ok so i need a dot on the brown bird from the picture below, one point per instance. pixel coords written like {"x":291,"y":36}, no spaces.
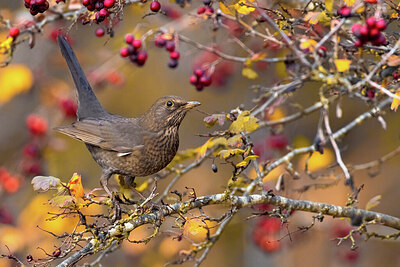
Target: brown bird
{"x":127,"y":146}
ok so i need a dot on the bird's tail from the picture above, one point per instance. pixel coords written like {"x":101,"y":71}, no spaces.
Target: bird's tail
{"x":88,"y":104}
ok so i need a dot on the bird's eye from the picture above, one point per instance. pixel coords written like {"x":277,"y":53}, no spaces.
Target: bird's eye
{"x":169,"y":103}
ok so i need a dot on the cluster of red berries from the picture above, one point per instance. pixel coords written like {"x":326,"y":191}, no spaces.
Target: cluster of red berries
{"x":266,"y":234}
{"x":206,"y":9}
{"x":37,"y":125}
{"x":155,"y":6}
{"x":370,"y":32}
{"x":37,"y":6}
{"x":9,"y":182}
{"x":133,"y":51}
{"x":200,"y":79}
{"x":30,"y":162}
{"x":101,"y":6}
{"x":169,"y":44}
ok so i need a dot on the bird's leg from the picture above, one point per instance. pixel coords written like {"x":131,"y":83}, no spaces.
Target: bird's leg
{"x":104,"y":183}
{"x":129,"y":181}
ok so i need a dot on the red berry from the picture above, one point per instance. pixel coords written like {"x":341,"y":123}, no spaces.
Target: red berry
{"x":69,"y":107}
{"x":31,"y":150}
{"x":100,"y":32}
{"x":381,"y":40}
{"x":124,"y":52}
{"x":137,"y":43}
{"x":209,"y":10}
{"x":364,"y":30}
{"x":395,"y":75}
{"x":201,"y":10}
{"x":199,"y":72}
{"x":99,"y":5}
{"x":277,"y":141}
{"x":205,"y":80}
{"x":104,"y":12}
{"x":85,"y":2}
{"x":90,"y":7}
{"x":155,"y":6}
{"x":193,"y":79}
{"x":170,"y":46}
{"x":371,"y":1}
{"x":174,"y":55}
{"x":141,"y":56}
{"x":14,"y":32}
{"x":199,"y":87}
{"x":129,"y":38}
{"x":374,"y":32}
{"x":371,"y":22}
{"x":109,"y":3}
{"x":381,"y":24}
{"x":36,"y":124}
{"x":355,"y":29}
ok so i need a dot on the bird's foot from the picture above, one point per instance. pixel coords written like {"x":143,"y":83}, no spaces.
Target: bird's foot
{"x":116,"y":209}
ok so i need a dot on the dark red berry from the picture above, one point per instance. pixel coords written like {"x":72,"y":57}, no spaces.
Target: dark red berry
{"x":69,"y":107}
{"x":193,"y":79}
{"x":100,"y":32}
{"x":129,"y":38}
{"x":160,"y":42}
{"x":85,"y":2}
{"x":29,"y":258}
{"x":201,"y":10}
{"x":137,"y":43}
{"x":355,"y":29}
{"x":131,"y":50}
{"x":36,"y":125}
{"x":395,"y":75}
{"x":209,"y":10}
{"x":207,"y":2}
{"x":380,"y":24}
{"x":124,"y":52}
{"x":14,"y":32}
{"x":364,"y":30}
{"x":173,"y":63}
{"x":141,"y":56}
{"x":155,"y":6}
{"x":174,"y":55}
{"x":170,"y":46}
{"x":99,"y":5}
{"x":374,"y":32}
{"x":205,"y":80}
{"x":358,"y":43}
{"x":31,"y":150}
{"x":109,"y":3}
{"x":199,"y":87}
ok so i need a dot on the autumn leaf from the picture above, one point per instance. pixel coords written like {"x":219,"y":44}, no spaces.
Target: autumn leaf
{"x":246,"y":161}
{"x":349,"y":2}
{"x":244,"y":123}
{"x":226,"y":10}
{"x":342,"y":65}
{"x":373,"y":202}
{"x":393,"y":61}
{"x":44,"y":183}
{"x":14,"y":79}
{"x":329,"y":5}
{"x":396,"y":101}
{"x":308,"y":45}
{"x":224,"y":154}
{"x":61,"y":201}
{"x":316,"y":17}
{"x":214,"y":119}
{"x":203,"y":148}
{"x":243,"y":7}
{"x":249,"y":73}
{"x":75,"y":186}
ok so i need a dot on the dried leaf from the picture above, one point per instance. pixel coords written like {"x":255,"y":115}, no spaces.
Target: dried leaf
{"x":249,"y":73}
{"x":223,"y":154}
{"x":244,"y":123}
{"x":393,"y":61}
{"x":44,"y":183}
{"x":61,"y":201}
{"x":246,"y":161}
{"x":214,"y":119}
{"x":342,"y":65}
{"x":373,"y":202}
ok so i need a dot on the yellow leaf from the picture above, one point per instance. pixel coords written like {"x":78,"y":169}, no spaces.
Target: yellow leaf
{"x":75,"y":186}
{"x":61,"y":201}
{"x":224,"y":9}
{"x":349,"y":2}
{"x":223,"y":154}
{"x":203,"y":149}
{"x":329,"y":5}
{"x":395,"y":102}
{"x":373,"y":202}
{"x":308,"y":45}
{"x":258,"y":56}
{"x":249,"y":73}
{"x":243,"y":7}
{"x":312,"y":17}
{"x":342,"y":65}
{"x":14,"y":79}
{"x":5,"y":46}
{"x":246,"y":161}
{"x":244,"y":123}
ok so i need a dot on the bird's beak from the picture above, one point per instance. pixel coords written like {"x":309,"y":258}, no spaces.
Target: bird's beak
{"x":191,"y":104}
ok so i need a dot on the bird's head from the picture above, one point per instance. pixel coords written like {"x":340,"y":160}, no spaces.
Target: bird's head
{"x":167,"y":111}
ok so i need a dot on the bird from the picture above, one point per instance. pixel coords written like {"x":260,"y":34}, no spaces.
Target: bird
{"x":131,"y":147}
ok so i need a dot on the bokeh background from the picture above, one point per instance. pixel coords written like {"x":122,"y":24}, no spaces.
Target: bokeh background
{"x":125,"y":89}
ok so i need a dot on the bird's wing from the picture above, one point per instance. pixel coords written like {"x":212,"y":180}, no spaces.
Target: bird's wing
{"x":123,"y":136}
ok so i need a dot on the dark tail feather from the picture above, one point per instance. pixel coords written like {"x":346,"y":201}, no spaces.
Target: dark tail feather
{"x":88,"y":105}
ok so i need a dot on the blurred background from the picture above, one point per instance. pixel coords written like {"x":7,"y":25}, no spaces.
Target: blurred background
{"x":46,"y":98}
